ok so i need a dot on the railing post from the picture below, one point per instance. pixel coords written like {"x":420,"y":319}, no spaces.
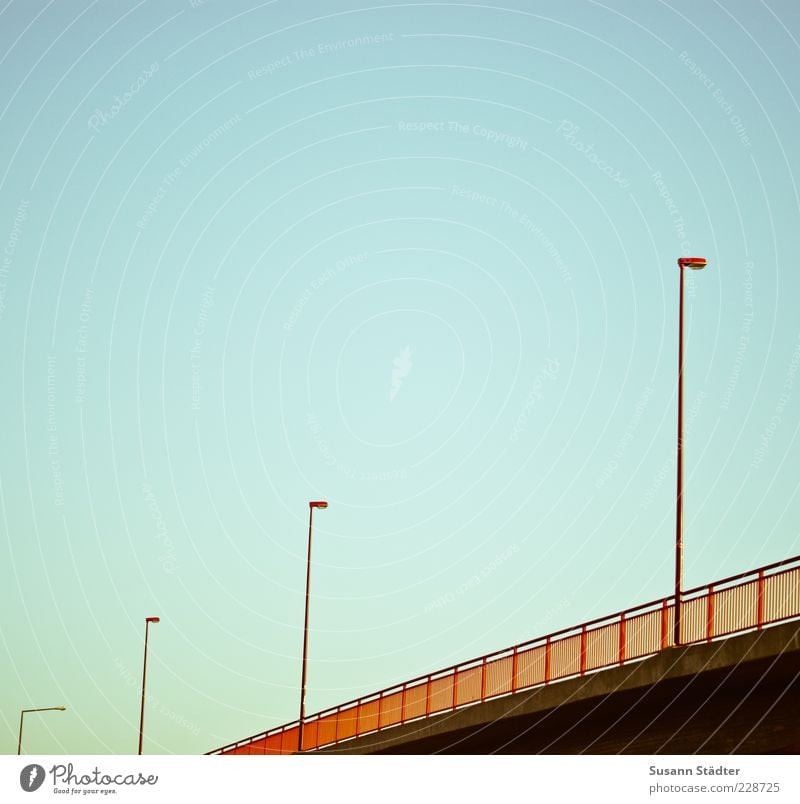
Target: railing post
{"x":455,"y":687}
{"x":483,"y":679}
{"x":403,"y":704}
{"x":760,"y":599}
{"x":358,"y":717}
{"x":380,"y":707}
{"x":514,"y":671}
{"x":710,"y":614}
{"x":664,"y":621}
{"x":336,"y":733}
{"x":428,"y":697}
{"x":547,"y":661}
{"x":622,"y":635}
{"x":583,"y":649}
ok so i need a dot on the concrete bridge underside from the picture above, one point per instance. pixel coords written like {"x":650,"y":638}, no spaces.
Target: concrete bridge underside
{"x":736,"y":695}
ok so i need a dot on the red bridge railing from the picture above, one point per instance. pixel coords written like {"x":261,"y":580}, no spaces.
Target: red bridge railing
{"x":733,"y":605}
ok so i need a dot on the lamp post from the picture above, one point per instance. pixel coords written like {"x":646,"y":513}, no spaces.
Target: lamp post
{"x":695,"y":263}
{"x":311,"y":506}
{"x":147,"y":622}
{"x":22,"y":714}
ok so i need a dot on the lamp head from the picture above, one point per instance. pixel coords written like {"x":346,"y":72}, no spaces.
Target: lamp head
{"x":61,"y":708}
{"x":152,"y":619}
{"x":695,"y":263}
{"x":318,"y":504}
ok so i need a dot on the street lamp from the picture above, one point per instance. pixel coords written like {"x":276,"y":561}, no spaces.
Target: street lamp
{"x":311,"y":506}
{"x":695,"y":263}
{"x":147,"y":622}
{"x":22,"y":714}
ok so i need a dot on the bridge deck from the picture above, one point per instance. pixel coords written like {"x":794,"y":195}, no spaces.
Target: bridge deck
{"x":738,"y":695}
{"x":735,"y":605}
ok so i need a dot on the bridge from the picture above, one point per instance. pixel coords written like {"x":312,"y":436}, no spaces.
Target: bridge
{"x":530,"y":697}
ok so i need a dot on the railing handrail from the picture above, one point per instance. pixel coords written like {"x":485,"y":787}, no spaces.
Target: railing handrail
{"x":765,"y":568}
{"x":452,"y":669}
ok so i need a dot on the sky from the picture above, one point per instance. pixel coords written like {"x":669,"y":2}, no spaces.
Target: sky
{"x":414,"y":259}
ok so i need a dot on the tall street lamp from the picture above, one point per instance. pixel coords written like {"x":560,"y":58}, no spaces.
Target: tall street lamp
{"x":311,"y":506}
{"x":22,"y":714}
{"x":147,"y":622}
{"x":695,"y":263}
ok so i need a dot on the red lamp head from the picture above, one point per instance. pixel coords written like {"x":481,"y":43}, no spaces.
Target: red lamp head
{"x":318,"y":504}
{"x":695,"y":263}
{"x":152,"y":619}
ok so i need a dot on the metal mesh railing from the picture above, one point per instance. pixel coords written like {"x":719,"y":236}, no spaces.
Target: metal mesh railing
{"x":740,"y":603}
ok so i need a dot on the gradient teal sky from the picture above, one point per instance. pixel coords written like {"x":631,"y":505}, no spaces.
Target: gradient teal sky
{"x":414,"y":259}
